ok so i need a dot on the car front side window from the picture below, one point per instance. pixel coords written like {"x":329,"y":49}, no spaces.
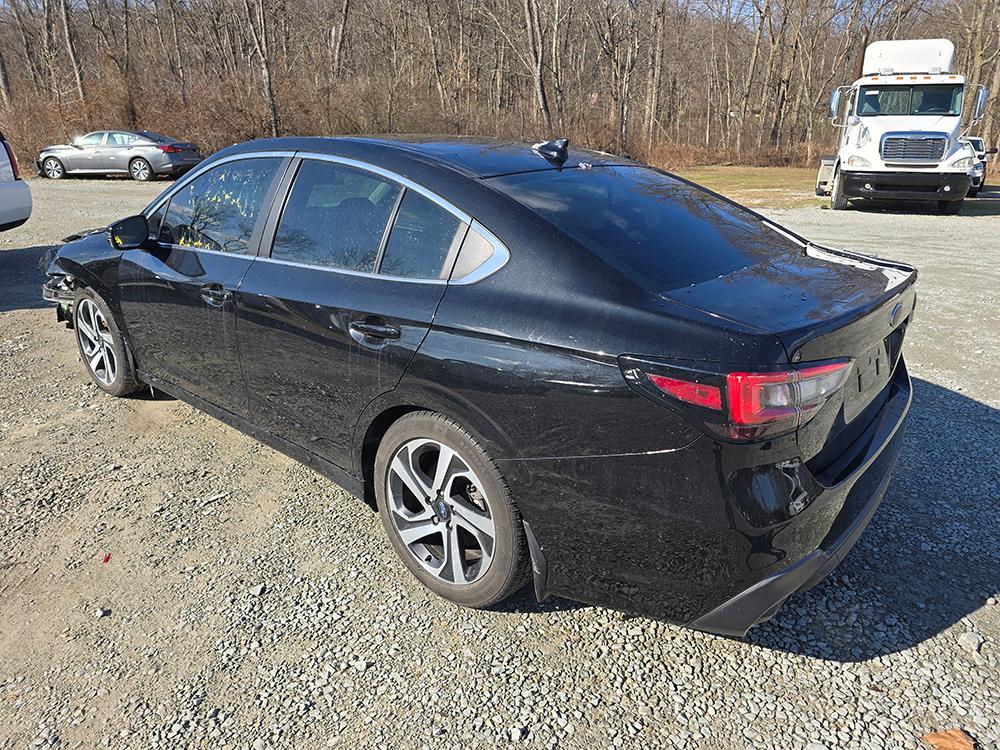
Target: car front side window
{"x":92,"y":139}
{"x":335,"y":216}
{"x":218,"y":210}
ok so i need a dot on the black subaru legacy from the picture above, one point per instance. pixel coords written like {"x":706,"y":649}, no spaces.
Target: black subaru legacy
{"x":539,"y":362}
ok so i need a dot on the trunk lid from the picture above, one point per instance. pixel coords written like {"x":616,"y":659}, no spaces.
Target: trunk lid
{"x":822,"y":304}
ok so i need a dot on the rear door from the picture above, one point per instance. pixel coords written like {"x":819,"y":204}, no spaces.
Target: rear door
{"x":117,"y":151}
{"x":178,"y":292}
{"x":356,"y":269}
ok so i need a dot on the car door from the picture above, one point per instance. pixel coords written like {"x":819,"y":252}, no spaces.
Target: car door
{"x":177,"y":291}
{"x":86,"y":155}
{"x":331,"y":316}
{"x":117,"y":151}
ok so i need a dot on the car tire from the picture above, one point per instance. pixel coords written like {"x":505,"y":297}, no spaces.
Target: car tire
{"x":950,"y":208}
{"x":102,"y":347}
{"x":52,"y":168}
{"x":444,"y":538}
{"x":140,"y":170}
{"x":838,"y":201}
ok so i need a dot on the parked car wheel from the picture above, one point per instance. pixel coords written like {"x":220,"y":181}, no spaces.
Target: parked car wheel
{"x":950,"y":208}
{"x":140,"y":170}
{"x":53,"y":168}
{"x":838,"y":201}
{"x":448,"y":512}
{"x":102,"y":346}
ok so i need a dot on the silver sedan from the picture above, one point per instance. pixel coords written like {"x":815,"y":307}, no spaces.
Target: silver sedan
{"x":140,"y":154}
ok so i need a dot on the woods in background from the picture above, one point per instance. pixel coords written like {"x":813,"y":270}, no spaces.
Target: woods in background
{"x":675,"y":82}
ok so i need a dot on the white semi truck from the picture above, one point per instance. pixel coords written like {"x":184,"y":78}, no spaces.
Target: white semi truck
{"x":900,"y":128}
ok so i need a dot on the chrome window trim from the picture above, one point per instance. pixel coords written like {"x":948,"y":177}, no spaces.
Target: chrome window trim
{"x":491,"y":265}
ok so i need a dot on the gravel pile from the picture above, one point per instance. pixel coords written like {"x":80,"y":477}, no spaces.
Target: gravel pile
{"x":169,"y":583}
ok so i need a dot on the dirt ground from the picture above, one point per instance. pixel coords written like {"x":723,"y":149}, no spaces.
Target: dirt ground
{"x":168,"y":582}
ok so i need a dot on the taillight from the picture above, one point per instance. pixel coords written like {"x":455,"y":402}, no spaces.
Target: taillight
{"x":780,"y":399}
{"x":699,"y":394}
{"x":170,"y":149}
{"x":13,"y":161}
{"x":742,"y":405}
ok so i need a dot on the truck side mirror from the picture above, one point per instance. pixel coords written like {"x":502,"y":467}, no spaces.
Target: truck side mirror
{"x":979,"y":108}
{"x":834,"y":104}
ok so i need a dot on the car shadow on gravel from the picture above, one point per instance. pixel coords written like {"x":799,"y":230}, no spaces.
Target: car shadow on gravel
{"x":930,"y":556}
{"x":20,"y":279}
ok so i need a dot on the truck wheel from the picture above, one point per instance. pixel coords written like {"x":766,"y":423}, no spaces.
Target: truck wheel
{"x":949,"y":208}
{"x":820,"y":188}
{"x":838,"y":201}
{"x":973,"y":192}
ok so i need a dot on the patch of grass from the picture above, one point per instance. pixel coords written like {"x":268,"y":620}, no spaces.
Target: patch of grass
{"x":770,"y":187}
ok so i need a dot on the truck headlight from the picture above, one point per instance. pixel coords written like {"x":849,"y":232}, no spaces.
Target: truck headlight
{"x":858,"y":161}
{"x":964,"y":163}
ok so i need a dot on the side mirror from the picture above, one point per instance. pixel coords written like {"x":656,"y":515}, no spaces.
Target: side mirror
{"x":991,"y":151}
{"x":130,"y":233}
{"x":979,"y":108}
{"x":834,"y":104}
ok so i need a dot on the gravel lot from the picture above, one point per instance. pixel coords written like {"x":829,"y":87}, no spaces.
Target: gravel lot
{"x":249,"y":603}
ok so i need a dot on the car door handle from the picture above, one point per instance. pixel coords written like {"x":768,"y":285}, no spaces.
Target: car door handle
{"x":214,"y":294}
{"x":375,"y":330}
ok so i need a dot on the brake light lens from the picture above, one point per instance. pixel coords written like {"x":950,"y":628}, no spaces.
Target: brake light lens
{"x":699,"y":394}
{"x":744,"y":406}
{"x":170,"y":149}
{"x":13,"y":160}
{"x":767,"y":398}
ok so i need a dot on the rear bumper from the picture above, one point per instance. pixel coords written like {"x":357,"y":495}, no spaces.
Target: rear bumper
{"x":862,"y":494}
{"x":15,"y":204}
{"x":921,"y":186}
{"x":174,"y":166}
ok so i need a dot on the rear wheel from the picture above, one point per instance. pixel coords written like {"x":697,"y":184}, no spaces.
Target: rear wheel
{"x":838,"y":201}
{"x":140,"y":170}
{"x":448,"y":512}
{"x":53,"y":168}
{"x":102,"y":346}
{"x":950,"y":207}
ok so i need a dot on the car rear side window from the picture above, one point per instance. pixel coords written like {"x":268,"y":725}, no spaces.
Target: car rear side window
{"x":335,"y":216}
{"x":218,"y":209}
{"x":424,"y":239}
{"x":660,"y":231}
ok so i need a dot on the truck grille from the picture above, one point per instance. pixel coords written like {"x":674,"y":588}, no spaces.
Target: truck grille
{"x":906,"y":148}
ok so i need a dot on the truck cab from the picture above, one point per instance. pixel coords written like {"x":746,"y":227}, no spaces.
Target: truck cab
{"x":901,"y":128}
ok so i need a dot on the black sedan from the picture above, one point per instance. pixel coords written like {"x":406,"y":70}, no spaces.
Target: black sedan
{"x":538,"y":362}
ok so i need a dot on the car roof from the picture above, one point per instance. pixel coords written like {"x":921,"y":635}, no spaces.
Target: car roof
{"x":472,"y":156}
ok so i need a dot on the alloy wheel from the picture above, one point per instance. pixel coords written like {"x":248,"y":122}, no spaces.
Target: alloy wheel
{"x":440,"y":512}
{"x":52,"y":168}
{"x":139,"y":170}
{"x":95,"y":342}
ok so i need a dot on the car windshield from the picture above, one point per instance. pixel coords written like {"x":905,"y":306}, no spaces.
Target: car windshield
{"x":662,"y":232}
{"x":937,"y":99}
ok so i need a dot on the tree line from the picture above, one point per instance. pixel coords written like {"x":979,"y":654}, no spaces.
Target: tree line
{"x":672,"y":81}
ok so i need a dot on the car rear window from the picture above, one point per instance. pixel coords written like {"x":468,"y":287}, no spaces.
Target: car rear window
{"x":660,"y":231}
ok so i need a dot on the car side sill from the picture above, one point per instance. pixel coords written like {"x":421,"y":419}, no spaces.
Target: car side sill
{"x":331,"y":471}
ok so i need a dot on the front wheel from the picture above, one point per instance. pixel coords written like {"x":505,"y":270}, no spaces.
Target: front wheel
{"x":53,"y":169}
{"x":838,"y":201}
{"x":140,"y":170}
{"x":448,"y":512}
{"x":949,"y":208}
{"x":973,"y":192}
{"x":102,"y":346}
